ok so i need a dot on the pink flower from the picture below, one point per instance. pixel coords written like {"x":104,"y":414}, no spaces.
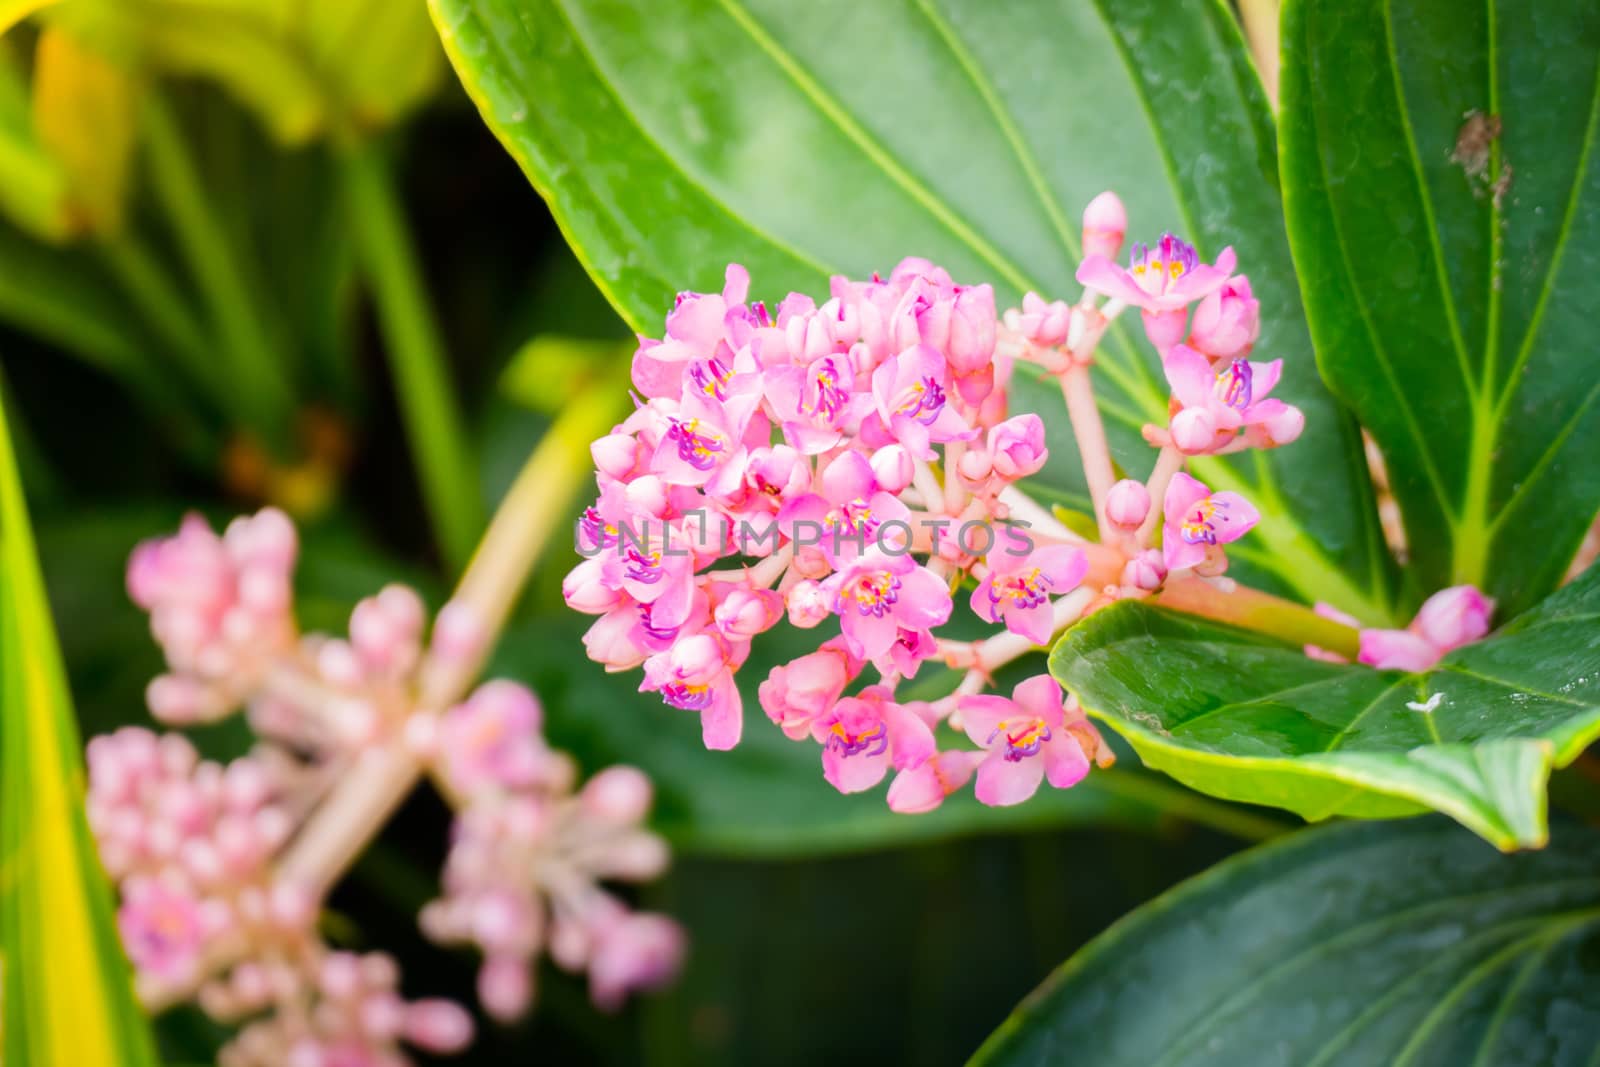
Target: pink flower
{"x":696,"y":674}
{"x":1027,"y":741}
{"x":493,"y":740}
{"x":862,"y":737}
{"x":1016,"y":447}
{"x":1217,"y":401}
{"x":913,"y":401}
{"x":1227,"y":322}
{"x":1165,"y":278}
{"x":846,"y":512}
{"x":796,"y":693}
{"x":817,"y":401}
{"x":161,"y":929}
{"x":1196,"y":518}
{"x":876,"y":595}
{"x":1447,"y":620}
{"x":1105,"y":223}
{"x":1017,"y":589}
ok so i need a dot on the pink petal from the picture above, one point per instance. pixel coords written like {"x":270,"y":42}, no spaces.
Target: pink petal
{"x":723,"y":721}
{"x":982,"y":606}
{"x":1103,"y":276}
{"x":1002,"y":782}
{"x":1234,"y":518}
{"x":1063,"y":565}
{"x":1190,"y":375}
{"x":1035,"y":623}
{"x":1177,"y":553}
{"x":1041,"y":697}
{"x":981,"y":714}
{"x":1064,"y":762}
{"x":1399,"y":650}
{"x":853,"y":774}
{"x":1263,"y":376}
{"x":1183,"y":493}
{"x":910,"y":740}
{"x":848,"y":478}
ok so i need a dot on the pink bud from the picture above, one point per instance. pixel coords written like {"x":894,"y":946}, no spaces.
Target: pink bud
{"x":798,"y":692}
{"x":1127,"y":504}
{"x":893,"y":468}
{"x":1227,"y":322}
{"x":617,"y":795}
{"x":639,"y":952}
{"x":438,"y":1026}
{"x":809,"y":604}
{"x":1145,"y":571}
{"x":616,"y":455}
{"x":1017,"y":446}
{"x":1194,"y":431}
{"x":1397,"y":650}
{"x":975,"y":466}
{"x":1282,"y":427}
{"x":745,"y":613}
{"x":779,"y":472}
{"x":1105,"y":222}
{"x":972,"y":328}
{"x":1045,"y":324}
{"x":1453,"y":617}
{"x":504,"y":987}
{"x":1165,"y":328}
{"x":585,"y":589}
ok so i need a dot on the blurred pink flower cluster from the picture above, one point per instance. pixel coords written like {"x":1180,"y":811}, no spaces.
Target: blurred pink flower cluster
{"x":221,"y":867}
{"x":857,"y":461}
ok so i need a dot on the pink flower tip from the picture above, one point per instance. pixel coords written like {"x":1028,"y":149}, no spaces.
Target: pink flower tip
{"x":1105,"y":224}
{"x":1127,"y":504}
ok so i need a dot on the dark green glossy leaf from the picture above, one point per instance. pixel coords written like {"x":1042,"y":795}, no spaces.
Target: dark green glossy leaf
{"x":1238,"y":715}
{"x":1444,"y":207}
{"x":837,"y":136}
{"x":1408,"y":944}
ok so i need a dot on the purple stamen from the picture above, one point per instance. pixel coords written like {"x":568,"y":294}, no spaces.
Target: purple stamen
{"x":594,"y":531}
{"x":1028,"y":591}
{"x":644,"y":568}
{"x":927,"y":400}
{"x":1198,"y":529}
{"x":694,"y":448}
{"x":1024,"y":744}
{"x":711,"y":377}
{"x":830,"y":398}
{"x":873,"y":742}
{"x":1233,"y":384}
{"x":687,"y":697}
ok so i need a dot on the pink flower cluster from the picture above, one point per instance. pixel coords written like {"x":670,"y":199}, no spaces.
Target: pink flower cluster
{"x":856,"y":461}
{"x":527,"y":857}
{"x":221,"y":868}
{"x":1447,"y":620}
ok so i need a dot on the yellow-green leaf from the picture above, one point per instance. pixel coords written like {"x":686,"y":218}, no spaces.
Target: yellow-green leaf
{"x":14,"y":11}
{"x":67,"y":988}
{"x":85,"y":113}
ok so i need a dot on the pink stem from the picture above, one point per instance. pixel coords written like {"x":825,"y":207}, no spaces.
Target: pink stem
{"x":1168,"y":463}
{"x":1091,"y":437}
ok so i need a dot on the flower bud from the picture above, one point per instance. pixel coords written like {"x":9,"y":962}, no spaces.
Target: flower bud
{"x":505,"y":988}
{"x":617,"y":795}
{"x":615,"y":455}
{"x":1227,"y":322}
{"x":1105,"y":222}
{"x":972,"y":327}
{"x":1017,"y":447}
{"x":1194,"y":431}
{"x":1127,"y":504}
{"x":1281,"y":427}
{"x":1453,"y":617}
{"x":638,"y":952}
{"x":1044,"y":324}
{"x":1145,"y":571}
{"x":437,"y":1026}
{"x":744,"y":613}
{"x":809,"y":604}
{"x":1165,"y":328}
{"x":975,"y":466}
{"x":892,"y":468}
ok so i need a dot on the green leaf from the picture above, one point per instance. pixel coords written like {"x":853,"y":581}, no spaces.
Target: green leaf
{"x":1238,"y":715}
{"x":838,"y":136}
{"x":67,"y":989}
{"x":767,"y":797}
{"x":1353,"y":944}
{"x":1447,"y":246}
